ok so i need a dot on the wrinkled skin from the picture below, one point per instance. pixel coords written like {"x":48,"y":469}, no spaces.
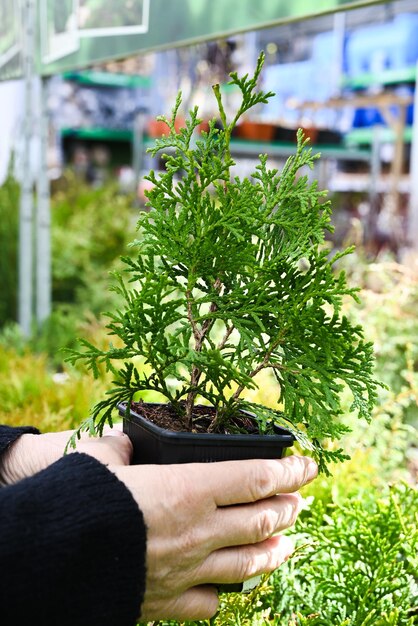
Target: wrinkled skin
{"x":212,"y":523}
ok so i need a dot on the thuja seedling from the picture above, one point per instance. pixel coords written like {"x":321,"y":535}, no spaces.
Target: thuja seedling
{"x":230,"y":276}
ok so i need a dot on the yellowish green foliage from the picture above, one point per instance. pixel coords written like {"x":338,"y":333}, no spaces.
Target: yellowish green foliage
{"x":31,"y":392}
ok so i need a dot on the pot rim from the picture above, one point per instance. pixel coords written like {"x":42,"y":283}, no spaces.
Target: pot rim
{"x":284,"y":437}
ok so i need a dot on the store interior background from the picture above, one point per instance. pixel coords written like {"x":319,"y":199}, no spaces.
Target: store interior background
{"x":102,"y":119}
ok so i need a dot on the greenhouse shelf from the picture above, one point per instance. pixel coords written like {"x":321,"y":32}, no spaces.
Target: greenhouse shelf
{"x":278,"y":149}
{"x":386,"y":77}
{"x":108,"y":79}
{"x":365,"y":136}
{"x":244,"y":148}
{"x":98,"y":134}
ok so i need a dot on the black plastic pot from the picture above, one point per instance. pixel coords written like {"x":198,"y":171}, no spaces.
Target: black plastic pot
{"x":156,"y":445}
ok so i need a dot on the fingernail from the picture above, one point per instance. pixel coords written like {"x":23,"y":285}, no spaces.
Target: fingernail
{"x":312,"y":470}
{"x":115,"y":433}
{"x":288,"y":546}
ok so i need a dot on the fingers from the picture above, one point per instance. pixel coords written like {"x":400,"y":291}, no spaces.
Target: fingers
{"x":230,"y":565}
{"x":194,"y":604}
{"x":262,"y":520}
{"x":113,"y":448}
{"x":237,"y":482}
{"x":120,"y":442}
{"x":225,"y":566}
{"x":116,"y":430}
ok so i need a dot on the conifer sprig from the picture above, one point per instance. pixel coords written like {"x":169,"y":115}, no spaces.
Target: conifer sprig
{"x":230,"y":277}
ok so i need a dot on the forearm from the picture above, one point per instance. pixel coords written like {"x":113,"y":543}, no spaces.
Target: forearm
{"x":26,"y":452}
{"x":72,"y":548}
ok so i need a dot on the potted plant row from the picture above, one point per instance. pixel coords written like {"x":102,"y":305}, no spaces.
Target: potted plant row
{"x":230,"y":279}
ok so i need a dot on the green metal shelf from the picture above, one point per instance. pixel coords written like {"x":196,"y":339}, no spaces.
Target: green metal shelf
{"x":108,"y":79}
{"x":241,"y":147}
{"x":386,"y":77}
{"x":98,"y":134}
{"x":365,"y":136}
{"x":282,"y":149}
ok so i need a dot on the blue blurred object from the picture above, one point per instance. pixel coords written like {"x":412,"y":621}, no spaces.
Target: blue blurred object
{"x":365,"y":117}
{"x":373,"y":49}
{"x":314,"y":79}
{"x":325,"y":49}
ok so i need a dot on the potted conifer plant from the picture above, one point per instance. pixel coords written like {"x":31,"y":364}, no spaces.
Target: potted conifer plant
{"x":229,"y":277}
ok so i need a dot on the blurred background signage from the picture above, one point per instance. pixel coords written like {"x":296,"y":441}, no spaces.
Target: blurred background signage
{"x":10,"y":40}
{"x":73,"y":34}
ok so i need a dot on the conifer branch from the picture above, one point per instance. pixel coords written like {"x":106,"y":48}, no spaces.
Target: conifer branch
{"x":229,"y":330}
{"x":265,"y":364}
{"x":199,"y":335}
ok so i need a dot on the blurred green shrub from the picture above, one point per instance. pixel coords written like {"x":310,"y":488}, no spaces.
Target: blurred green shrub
{"x":389,"y":305}
{"x":90,"y":229}
{"x":31,"y":392}
{"x":9,"y":220}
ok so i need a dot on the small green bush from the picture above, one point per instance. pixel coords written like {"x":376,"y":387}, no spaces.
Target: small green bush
{"x":357,"y":567}
{"x":9,"y":220}
{"x":231,"y":278}
{"x":90,"y":229}
{"x":31,"y":392}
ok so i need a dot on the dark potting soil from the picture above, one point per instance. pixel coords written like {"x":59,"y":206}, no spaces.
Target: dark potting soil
{"x":164,"y":416}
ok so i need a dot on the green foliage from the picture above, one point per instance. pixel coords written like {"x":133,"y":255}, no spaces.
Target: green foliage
{"x":357,"y":567}
{"x":388,"y":306}
{"x":31,"y":393}
{"x":90,"y":229}
{"x":9,"y":220}
{"x":231,"y":278}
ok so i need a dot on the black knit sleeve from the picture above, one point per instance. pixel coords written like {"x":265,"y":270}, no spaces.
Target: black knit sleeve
{"x":72,"y":548}
{"x":9,"y":434}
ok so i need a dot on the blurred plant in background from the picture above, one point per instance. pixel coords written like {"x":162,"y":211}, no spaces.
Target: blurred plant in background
{"x":390,"y":309}
{"x":90,"y":229}
{"x":9,"y":218}
{"x":33,"y":392}
{"x":357,"y":565}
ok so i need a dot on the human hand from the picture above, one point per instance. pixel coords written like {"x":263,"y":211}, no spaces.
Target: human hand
{"x":32,"y":453}
{"x":212,"y":524}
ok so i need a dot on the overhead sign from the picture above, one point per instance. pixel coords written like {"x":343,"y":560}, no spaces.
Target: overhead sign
{"x":77,"y":33}
{"x":72,"y":34}
{"x":67,"y":26}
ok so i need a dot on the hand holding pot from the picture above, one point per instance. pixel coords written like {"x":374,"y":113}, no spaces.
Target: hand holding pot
{"x":32,"y":453}
{"x":212,"y":523}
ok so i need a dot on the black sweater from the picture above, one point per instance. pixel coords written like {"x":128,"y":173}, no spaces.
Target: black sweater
{"x":72,"y":546}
